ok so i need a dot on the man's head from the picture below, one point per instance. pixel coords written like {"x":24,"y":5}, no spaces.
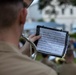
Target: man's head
{"x":9,"y":11}
{"x":12,"y":18}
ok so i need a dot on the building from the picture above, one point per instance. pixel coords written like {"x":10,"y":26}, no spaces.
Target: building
{"x":65,"y":15}
{"x":33,"y":13}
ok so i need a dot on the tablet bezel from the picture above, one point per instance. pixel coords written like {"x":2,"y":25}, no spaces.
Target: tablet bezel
{"x":66,"y":40}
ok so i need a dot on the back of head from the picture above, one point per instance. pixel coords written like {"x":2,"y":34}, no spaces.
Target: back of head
{"x":8,"y":12}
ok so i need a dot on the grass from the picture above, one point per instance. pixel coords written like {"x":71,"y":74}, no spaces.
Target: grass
{"x":39,"y":57}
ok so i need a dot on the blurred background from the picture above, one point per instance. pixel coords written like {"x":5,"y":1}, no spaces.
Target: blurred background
{"x":58,"y":14}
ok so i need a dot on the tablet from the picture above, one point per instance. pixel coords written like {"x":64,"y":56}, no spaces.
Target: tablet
{"x":52,"y":41}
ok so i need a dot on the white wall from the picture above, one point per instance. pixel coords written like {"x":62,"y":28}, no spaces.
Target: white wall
{"x":33,"y":12}
{"x":67,"y":18}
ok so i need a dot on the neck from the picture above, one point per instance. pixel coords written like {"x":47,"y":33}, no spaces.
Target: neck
{"x":10,"y":36}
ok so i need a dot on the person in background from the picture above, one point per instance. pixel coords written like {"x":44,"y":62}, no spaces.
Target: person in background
{"x":69,"y":67}
{"x":12,"y":62}
{"x":74,"y":43}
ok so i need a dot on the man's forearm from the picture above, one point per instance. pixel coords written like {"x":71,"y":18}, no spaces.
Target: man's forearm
{"x":26,"y":49}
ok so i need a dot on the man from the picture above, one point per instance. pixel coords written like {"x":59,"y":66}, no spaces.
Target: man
{"x":12,"y":62}
{"x":69,"y":68}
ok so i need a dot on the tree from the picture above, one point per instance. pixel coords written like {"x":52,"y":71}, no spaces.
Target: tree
{"x":72,"y":2}
{"x":44,"y":3}
{"x":52,"y":4}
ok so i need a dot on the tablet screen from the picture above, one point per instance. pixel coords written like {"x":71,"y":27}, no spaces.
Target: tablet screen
{"x":52,"y":41}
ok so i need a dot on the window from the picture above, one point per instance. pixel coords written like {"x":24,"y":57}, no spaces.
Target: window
{"x":71,"y":11}
{"x":63,"y":11}
{"x":48,"y":12}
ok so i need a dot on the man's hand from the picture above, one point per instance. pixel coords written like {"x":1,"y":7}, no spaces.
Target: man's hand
{"x":26,"y":48}
{"x":33,"y":38}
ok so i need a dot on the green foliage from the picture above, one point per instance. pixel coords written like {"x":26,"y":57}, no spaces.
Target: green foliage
{"x":43,"y":3}
{"x":63,"y":2}
{"x":73,"y":2}
{"x":52,"y":20}
{"x":41,"y":20}
{"x":73,"y":35}
{"x":39,"y":57}
{"x":75,"y":60}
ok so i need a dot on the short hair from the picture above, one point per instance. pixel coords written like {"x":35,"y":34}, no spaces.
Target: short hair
{"x":8,"y":12}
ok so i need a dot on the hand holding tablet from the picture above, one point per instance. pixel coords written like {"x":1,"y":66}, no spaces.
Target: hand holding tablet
{"x":52,"y":41}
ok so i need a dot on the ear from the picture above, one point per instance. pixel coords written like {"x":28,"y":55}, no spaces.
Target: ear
{"x":23,"y":15}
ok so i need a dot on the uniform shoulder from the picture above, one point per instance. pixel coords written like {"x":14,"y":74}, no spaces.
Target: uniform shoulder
{"x":33,"y":66}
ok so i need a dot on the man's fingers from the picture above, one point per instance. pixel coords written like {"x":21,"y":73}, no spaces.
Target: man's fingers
{"x":35,"y":38}
{"x":31,"y":36}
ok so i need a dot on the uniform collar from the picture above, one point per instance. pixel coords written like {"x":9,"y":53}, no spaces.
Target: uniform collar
{"x":8,"y":47}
